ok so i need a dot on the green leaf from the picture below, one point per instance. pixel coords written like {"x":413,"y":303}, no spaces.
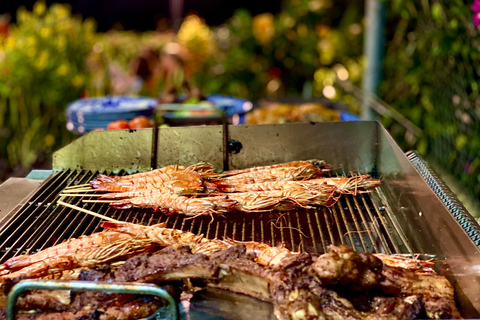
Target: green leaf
{"x":460,"y":141}
{"x":437,"y":12}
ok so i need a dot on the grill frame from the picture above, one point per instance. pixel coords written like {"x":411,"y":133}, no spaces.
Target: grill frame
{"x":413,"y":210}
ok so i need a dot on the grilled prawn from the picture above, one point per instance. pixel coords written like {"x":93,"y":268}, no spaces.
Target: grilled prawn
{"x":265,"y":254}
{"x":175,"y":181}
{"x":201,"y":167}
{"x":170,"y":203}
{"x":285,"y":199}
{"x":294,"y":164}
{"x":86,"y":251}
{"x":274,"y":174}
{"x":342,"y":185}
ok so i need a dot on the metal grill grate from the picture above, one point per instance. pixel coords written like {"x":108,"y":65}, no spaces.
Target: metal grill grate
{"x":362,"y":222}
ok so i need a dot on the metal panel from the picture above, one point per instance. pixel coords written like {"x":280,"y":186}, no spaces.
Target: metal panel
{"x":348,"y":145}
{"x":189,"y":145}
{"x":131,"y":150}
{"x":107,"y":150}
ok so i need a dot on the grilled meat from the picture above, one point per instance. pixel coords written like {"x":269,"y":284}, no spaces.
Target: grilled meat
{"x":396,"y":308}
{"x":340,"y":284}
{"x":97,"y":300}
{"x":168,"y":264}
{"x":51,"y":300}
{"x":403,"y":282}
{"x":441,"y":308}
{"x":343,"y":266}
{"x":139,"y":308}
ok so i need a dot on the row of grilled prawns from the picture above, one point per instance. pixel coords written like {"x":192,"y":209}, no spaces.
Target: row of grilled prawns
{"x":197,"y":190}
{"x":300,"y":285}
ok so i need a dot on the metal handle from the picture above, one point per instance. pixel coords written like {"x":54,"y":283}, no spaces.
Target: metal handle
{"x":448,"y":198}
{"x":118,"y":287}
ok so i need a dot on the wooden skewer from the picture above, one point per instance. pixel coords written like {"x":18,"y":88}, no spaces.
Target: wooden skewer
{"x":99,"y":201}
{"x":78,"y":186}
{"x":98,"y":215}
{"x":79,"y":195}
{"x":79,"y":190}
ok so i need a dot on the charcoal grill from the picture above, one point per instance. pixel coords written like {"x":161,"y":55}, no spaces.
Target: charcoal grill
{"x":412,"y":211}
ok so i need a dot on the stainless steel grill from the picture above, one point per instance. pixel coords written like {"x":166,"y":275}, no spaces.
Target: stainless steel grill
{"x":404,"y":215}
{"x":361,"y":222}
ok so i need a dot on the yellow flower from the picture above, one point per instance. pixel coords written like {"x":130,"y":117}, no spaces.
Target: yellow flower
{"x":10,"y":42}
{"x":39,"y":8}
{"x":63,"y":69}
{"x":49,"y":140}
{"x":78,"y":81}
{"x":89,"y":25}
{"x":263,"y":28}
{"x":60,"y":11}
{"x":42,"y":61}
{"x":31,"y":52}
{"x":197,"y":37}
{"x":45,"y":32}
{"x":31,"y":41}
{"x":22,"y":15}
{"x":61,"y":42}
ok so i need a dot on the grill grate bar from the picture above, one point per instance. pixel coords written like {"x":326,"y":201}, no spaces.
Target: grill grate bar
{"x":358,"y":229}
{"x":360,"y":222}
{"x":200,"y":228}
{"x":31,"y":216}
{"x":328,"y":224}
{"x":272,"y":234}
{"x":312,"y":233}
{"x":243,"y":228}
{"x":282,"y":236}
{"x":302,"y":242}
{"x":262,"y":232}
{"x":252,"y":223}
{"x":290,"y":229}
{"x":392,"y":227}
{"x":367,"y":230}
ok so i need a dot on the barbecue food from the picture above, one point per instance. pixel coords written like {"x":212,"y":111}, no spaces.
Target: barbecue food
{"x":136,"y":309}
{"x":174,"y":181}
{"x":319,"y":163}
{"x":341,"y":185}
{"x":170,"y":203}
{"x":197,"y":190}
{"x":85,"y":251}
{"x":345,"y":267}
{"x":305,"y":172}
{"x":300,"y":286}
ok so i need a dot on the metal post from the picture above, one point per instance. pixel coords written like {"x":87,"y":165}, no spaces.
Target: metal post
{"x":176,"y":13}
{"x":373,"y":51}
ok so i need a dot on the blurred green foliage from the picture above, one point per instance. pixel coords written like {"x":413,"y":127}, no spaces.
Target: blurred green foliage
{"x":431,"y":75}
{"x":300,"y":50}
{"x":42,"y":68}
{"x":430,"y":70}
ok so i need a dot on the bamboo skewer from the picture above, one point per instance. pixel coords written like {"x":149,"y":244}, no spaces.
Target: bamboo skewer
{"x":79,"y":190}
{"x":78,"y":186}
{"x":99,"y":201}
{"x":79,"y":195}
{"x":98,"y":215}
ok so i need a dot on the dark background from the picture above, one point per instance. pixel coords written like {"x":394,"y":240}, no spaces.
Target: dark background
{"x":143,"y":15}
